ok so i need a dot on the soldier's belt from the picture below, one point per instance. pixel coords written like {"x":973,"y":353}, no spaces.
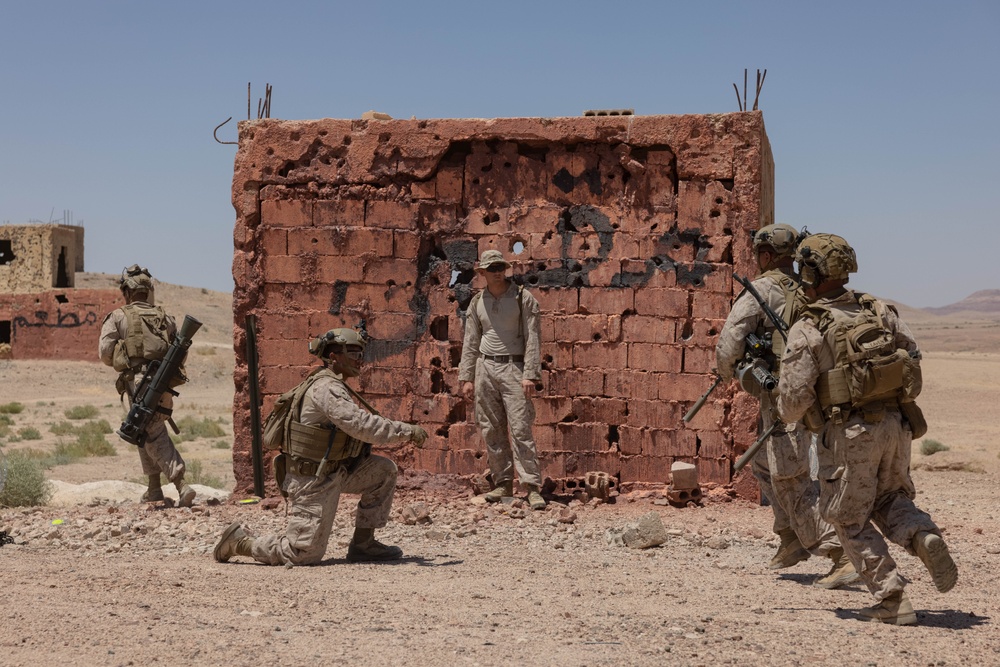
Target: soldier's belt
{"x":504,"y":358}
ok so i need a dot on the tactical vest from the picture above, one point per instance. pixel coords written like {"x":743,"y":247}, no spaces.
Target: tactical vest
{"x":794,"y":302}
{"x":147,"y":337}
{"x":868,"y":367}
{"x":314,"y":443}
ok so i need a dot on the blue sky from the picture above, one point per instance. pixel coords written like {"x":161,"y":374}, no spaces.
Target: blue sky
{"x":882,"y":116}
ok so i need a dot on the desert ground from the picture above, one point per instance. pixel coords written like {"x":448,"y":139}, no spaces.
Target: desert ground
{"x":92,"y":580}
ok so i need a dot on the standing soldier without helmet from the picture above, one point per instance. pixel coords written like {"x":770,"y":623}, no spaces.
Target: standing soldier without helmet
{"x":131,"y":337}
{"x":500,"y":365}
{"x":781,"y":467}
{"x":327,"y":454}
{"x":851,"y":355}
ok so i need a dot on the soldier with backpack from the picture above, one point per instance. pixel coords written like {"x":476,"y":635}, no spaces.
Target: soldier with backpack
{"x":501,"y":362}
{"x":325,"y":431}
{"x":131,"y":337}
{"x":781,"y":467}
{"x":851,"y":371}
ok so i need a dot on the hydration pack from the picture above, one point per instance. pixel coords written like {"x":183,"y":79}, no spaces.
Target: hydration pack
{"x":276,"y":431}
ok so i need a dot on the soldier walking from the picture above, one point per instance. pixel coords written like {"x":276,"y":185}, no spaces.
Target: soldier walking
{"x":851,"y":369}
{"x":781,"y":467}
{"x":131,"y":337}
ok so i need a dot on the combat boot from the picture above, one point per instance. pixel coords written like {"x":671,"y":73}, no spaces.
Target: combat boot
{"x":501,"y":491}
{"x":365,"y":548}
{"x":932,"y":550}
{"x":790,"y":551}
{"x":235,"y":541}
{"x":893,"y":610}
{"x":185,"y":494}
{"x":842,"y":572}
{"x":535,"y":500}
{"x":153,"y":492}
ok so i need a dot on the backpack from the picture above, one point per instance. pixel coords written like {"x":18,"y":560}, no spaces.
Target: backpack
{"x":868,"y":365}
{"x":147,"y":337}
{"x":794,"y":303}
{"x":277,"y":427}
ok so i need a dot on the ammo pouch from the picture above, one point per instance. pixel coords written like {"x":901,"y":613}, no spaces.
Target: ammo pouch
{"x":324,"y":448}
{"x":915,"y":417}
{"x":279,"y":463}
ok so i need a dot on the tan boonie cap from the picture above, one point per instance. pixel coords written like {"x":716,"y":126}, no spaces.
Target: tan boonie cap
{"x":491,"y":257}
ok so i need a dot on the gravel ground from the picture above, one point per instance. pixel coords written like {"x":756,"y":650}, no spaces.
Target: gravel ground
{"x":123,"y":583}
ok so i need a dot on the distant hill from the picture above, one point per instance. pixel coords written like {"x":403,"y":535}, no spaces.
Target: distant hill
{"x":986,"y":302}
{"x":213,"y":309}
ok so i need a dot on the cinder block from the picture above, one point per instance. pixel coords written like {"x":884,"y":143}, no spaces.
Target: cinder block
{"x":533,"y":219}
{"x":658,"y":358}
{"x":609,"y":411}
{"x":683,"y":475}
{"x":600,"y":355}
{"x":675,"y":443}
{"x":561,"y":301}
{"x":274,"y":241}
{"x":662,"y":303}
{"x":574,"y":382}
{"x":699,"y":359}
{"x":610,"y":301}
{"x":405,"y":244}
{"x":390,"y":272}
{"x":553,"y":409}
{"x":581,"y":437}
{"x":653,"y":414}
{"x":628,"y":383}
{"x":286,"y":213}
{"x":391,"y":215}
{"x":646,"y":329}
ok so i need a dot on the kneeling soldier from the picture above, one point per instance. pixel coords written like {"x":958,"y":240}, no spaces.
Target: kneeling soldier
{"x":328,"y":452}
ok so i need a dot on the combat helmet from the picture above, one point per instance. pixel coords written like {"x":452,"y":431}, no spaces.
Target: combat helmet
{"x":782,"y":238}
{"x":825,"y":257}
{"x":135,"y":278}
{"x":341,"y":337}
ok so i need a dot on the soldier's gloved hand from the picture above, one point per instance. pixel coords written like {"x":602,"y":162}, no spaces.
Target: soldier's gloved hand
{"x":418,"y":436}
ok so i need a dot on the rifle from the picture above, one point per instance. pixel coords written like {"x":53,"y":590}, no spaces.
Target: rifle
{"x":778,"y":323}
{"x":701,"y":401}
{"x":752,"y":450}
{"x":155,"y":383}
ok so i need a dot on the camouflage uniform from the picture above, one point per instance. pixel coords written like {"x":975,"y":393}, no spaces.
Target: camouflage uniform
{"x":864,"y":461}
{"x":313,"y":501}
{"x":781,"y":467}
{"x":500,"y":327}
{"x":158,"y":454}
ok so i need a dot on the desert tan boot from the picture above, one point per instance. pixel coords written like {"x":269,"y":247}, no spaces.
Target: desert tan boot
{"x":153,"y":492}
{"x":932,"y":550}
{"x":535,"y":500}
{"x":234,"y":542}
{"x":501,"y":491}
{"x":894,"y":610}
{"x":365,"y":548}
{"x":790,"y":551}
{"x":841,"y":574}
{"x":185,"y":494}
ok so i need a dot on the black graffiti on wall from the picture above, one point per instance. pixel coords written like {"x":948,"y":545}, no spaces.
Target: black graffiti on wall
{"x":62,"y":320}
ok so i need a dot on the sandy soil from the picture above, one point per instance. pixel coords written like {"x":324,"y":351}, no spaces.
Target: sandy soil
{"x":120,"y":583}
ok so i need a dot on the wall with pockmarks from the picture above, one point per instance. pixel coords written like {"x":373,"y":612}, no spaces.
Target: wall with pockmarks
{"x":55,"y":324}
{"x":626,"y":229}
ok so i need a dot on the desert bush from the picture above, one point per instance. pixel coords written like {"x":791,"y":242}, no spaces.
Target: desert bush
{"x":102,"y":427}
{"x":205,"y":351}
{"x":192,"y":429}
{"x":5,"y":420}
{"x":62,"y":428}
{"x":81,"y":412}
{"x":220,"y":444}
{"x":25,"y":485}
{"x":196,"y":475}
{"x":87,"y":444}
{"x":29,"y":433}
{"x":14,"y":408}
{"x":929,"y":446}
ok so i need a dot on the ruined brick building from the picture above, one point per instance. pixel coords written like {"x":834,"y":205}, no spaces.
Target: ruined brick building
{"x":626,"y":228}
{"x":42,"y":316}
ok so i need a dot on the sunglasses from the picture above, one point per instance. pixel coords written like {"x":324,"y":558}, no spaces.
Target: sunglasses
{"x":355,"y":354}
{"x":495,"y":268}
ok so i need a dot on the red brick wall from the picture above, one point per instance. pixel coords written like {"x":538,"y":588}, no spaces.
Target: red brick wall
{"x":57,"y":324}
{"x":630,"y":228}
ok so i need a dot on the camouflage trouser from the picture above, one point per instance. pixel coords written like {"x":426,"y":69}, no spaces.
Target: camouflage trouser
{"x":505,"y":416}
{"x":313,"y":506}
{"x":864,"y":472}
{"x":782,"y":470}
{"x":159,"y":454}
